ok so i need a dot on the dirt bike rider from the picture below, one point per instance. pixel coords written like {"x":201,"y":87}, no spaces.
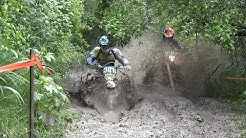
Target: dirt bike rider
{"x":106,"y":56}
{"x":168,"y":33}
{"x":168,"y":37}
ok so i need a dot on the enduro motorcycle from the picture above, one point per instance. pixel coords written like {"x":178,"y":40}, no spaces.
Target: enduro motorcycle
{"x":111,"y":81}
{"x":170,"y":57}
{"x":106,"y":89}
{"x":109,"y":74}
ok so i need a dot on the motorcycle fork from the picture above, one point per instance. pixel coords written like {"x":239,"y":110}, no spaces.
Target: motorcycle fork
{"x":170,"y":76}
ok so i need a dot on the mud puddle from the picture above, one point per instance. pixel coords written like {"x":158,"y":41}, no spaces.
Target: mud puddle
{"x":159,"y":115}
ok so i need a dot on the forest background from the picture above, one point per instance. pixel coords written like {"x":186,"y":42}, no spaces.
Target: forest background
{"x":62,"y":32}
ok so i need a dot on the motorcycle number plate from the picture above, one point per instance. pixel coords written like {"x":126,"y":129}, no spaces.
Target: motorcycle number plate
{"x":109,"y":70}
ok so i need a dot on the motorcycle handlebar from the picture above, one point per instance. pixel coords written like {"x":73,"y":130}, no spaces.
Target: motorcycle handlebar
{"x":120,"y":67}
{"x":117,"y":67}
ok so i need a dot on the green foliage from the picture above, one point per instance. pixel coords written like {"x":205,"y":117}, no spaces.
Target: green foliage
{"x":18,"y":96}
{"x":13,"y":118}
{"x":49,"y":26}
{"x":9,"y":82}
{"x":129,"y":20}
{"x":232,"y":90}
{"x":50,"y":101}
{"x":49,"y":130}
{"x":11,"y":30}
{"x":210,"y":19}
{"x":8,"y":53}
{"x":120,"y":20}
{"x":13,"y":89}
{"x":221,"y":85}
{"x":49,"y":96}
{"x":60,"y":31}
{"x":53,"y":29}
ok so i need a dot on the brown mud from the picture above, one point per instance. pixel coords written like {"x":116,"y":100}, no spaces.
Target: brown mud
{"x":163,"y":112}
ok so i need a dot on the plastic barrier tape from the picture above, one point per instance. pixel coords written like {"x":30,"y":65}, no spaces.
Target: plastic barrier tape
{"x":22,"y":64}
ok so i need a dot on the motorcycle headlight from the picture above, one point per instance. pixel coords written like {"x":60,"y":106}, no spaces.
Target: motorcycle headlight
{"x":171,"y":58}
{"x":109,"y":77}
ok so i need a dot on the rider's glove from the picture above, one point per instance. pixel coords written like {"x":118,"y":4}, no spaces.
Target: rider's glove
{"x":128,"y":67}
{"x":90,"y":60}
{"x":99,"y":66}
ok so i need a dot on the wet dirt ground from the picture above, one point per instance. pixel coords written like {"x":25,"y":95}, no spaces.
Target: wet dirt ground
{"x":163,"y":112}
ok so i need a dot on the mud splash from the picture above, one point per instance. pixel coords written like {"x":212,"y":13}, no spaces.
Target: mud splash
{"x":163,"y":112}
{"x":87,"y":85}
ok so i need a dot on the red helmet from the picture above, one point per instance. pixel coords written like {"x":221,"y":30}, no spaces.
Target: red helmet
{"x":168,"y":32}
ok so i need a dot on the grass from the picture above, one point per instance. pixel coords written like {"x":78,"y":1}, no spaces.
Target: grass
{"x":14,"y":119}
{"x":62,"y":120}
{"x":243,"y":127}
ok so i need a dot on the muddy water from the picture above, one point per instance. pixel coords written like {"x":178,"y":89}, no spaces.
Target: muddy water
{"x":163,"y":112}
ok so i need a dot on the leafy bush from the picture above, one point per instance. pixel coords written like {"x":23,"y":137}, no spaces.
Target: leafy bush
{"x":53,"y":29}
{"x":120,"y":20}
{"x":50,"y":101}
{"x":49,"y":96}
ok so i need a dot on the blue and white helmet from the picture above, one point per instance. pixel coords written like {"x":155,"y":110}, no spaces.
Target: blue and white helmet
{"x":103,"y":41}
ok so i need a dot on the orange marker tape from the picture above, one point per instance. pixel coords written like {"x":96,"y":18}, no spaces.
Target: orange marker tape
{"x":22,"y":64}
{"x":39,"y":64}
{"x":17,"y":65}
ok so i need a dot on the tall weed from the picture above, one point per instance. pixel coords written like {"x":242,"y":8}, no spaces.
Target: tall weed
{"x":14,"y":118}
{"x":234,"y":90}
{"x":10,"y":81}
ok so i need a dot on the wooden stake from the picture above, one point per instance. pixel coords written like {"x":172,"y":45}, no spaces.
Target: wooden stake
{"x":31,"y":131}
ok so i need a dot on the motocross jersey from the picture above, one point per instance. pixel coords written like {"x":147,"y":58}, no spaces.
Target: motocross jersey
{"x":114,"y":54}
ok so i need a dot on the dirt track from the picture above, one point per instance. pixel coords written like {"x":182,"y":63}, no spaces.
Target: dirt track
{"x":163,"y":112}
{"x":161,"y":115}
